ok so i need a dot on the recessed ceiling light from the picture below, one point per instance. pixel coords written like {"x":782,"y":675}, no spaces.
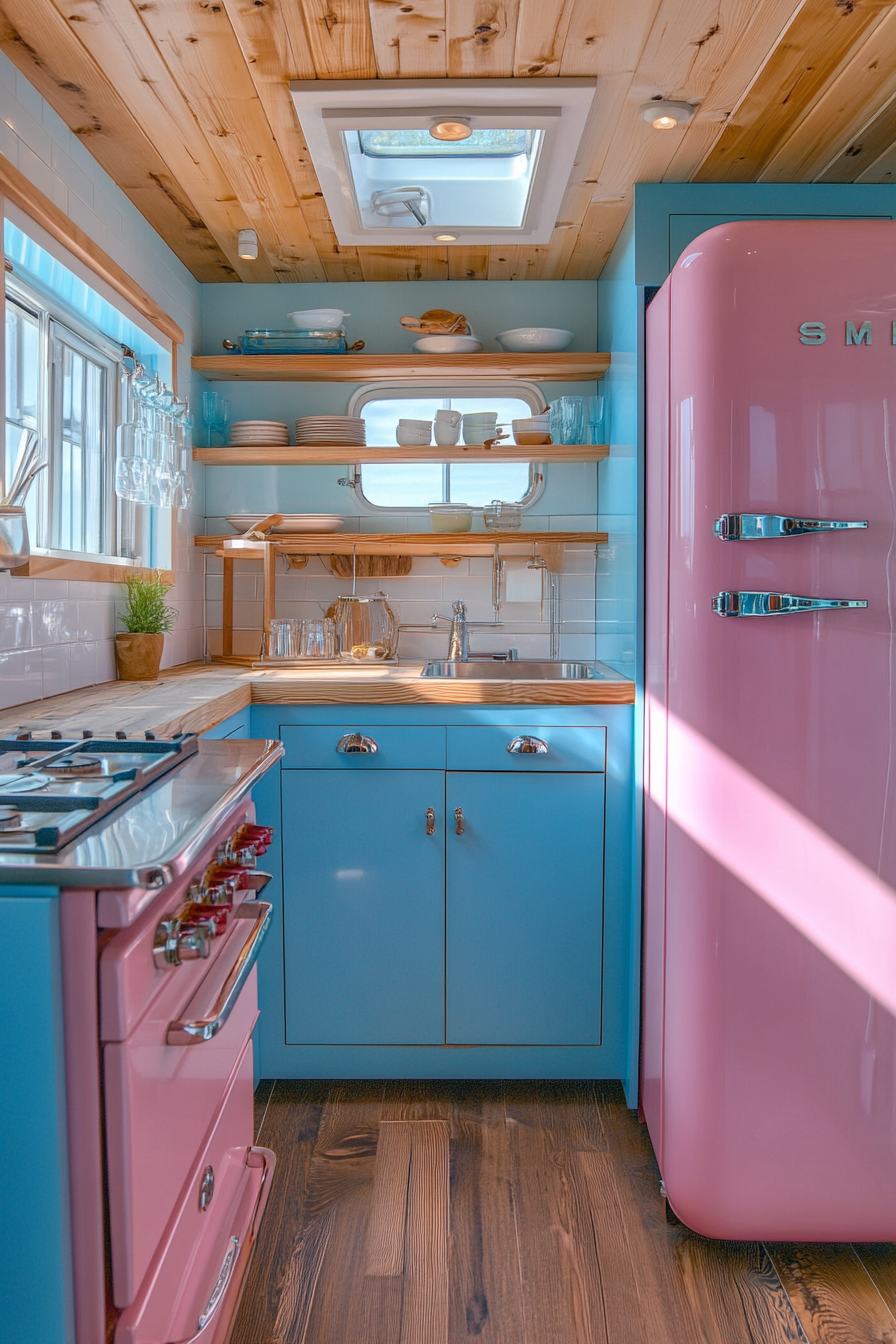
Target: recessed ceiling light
{"x":665,"y":115}
{"x":451,"y":128}
{"x":446,"y":237}
{"x":247,"y":244}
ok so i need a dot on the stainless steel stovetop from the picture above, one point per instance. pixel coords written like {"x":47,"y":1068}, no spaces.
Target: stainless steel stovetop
{"x":53,"y":788}
{"x":140,"y":823}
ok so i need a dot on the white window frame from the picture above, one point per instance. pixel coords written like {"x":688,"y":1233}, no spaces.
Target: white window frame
{"x":120,"y":518}
{"x":441,"y":387}
{"x":557,"y":106}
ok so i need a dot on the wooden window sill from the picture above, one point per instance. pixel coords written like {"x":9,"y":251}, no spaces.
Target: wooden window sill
{"x":84,"y":571}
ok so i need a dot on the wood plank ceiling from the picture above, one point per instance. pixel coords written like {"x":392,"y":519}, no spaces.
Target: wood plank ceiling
{"x":186,"y":105}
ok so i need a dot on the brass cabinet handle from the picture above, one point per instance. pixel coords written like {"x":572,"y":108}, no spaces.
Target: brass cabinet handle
{"x":458,"y":821}
{"x":430,"y":821}
{"x":356,"y":742}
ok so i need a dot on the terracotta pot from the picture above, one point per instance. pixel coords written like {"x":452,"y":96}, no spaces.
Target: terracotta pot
{"x":138,"y":656}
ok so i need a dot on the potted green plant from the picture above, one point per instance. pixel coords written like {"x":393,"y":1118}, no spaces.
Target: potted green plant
{"x":147,"y":619}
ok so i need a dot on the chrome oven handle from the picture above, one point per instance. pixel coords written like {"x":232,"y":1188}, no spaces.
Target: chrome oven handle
{"x":776,"y":604}
{"x":762,"y":526}
{"x":205,"y":1028}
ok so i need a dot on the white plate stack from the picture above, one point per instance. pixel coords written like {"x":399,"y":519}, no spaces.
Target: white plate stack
{"x":263,"y":432}
{"x":343,"y":430}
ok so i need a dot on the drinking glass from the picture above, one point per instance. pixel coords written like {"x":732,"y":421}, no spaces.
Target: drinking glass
{"x":568,"y":420}
{"x":596,"y":409}
{"x":222,"y":423}
{"x":210,"y":412}
{"x":282,"y":637}
{"x":317,"y":639}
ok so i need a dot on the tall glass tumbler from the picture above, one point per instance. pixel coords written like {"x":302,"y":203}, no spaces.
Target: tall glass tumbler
{"x":568,"y":420}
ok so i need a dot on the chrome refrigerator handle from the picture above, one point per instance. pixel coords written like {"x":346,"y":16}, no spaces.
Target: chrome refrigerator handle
{"x":776,"y":604}
{"x":759,"y":526}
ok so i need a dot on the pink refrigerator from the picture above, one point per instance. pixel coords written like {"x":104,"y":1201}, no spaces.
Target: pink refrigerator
{"x":769,"y":1049}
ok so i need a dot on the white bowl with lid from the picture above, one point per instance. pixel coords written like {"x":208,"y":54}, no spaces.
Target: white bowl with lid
{"x":308,"y":318}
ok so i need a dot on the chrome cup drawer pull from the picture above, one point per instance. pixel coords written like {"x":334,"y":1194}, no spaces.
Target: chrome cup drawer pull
{"x":527,"y":746}
{"x":776,"y":604}
{"x":458,"y":821}
{"x":761,"y":526}
{"x":354,"y":743}
{"x":430,"y":821}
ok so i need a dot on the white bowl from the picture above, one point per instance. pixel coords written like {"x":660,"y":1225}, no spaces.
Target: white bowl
{"x":416,"y":424}
{"x":308,"y":318}
{"x":450,"y":517}
{"x":481,"y":418}
{"x":538,"y":340}
{"x":531,"y":425}
{"x":447,"y":345}
{"x":406,"y":437}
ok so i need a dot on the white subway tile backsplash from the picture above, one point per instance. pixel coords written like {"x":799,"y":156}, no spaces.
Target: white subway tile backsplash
{"x":96,"y":620}
{"x":21,"y":677}
{"x":56,"y":663}
{"x":244,"y":587}
{"x":83,"y":663}
{"x":105,"y":661}
{"x":15,"y":625}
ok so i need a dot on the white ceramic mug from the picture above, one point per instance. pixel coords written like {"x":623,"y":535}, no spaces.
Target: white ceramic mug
{"x":447,"y":427}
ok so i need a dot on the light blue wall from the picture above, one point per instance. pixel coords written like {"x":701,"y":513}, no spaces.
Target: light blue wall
{"x":490,"y":306}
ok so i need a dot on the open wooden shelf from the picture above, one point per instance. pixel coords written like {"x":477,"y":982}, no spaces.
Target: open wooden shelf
{"x":401,"y":543}
{"x":361,"y":368}
{"x":340,"y":456}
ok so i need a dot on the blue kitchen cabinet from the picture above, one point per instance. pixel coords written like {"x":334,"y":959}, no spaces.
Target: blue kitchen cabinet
{"x":364,"y":922}
{"x":524,"y":907}
{"x":531,"y":910}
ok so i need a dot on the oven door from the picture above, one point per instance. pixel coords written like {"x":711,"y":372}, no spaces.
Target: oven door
{"x":165,"y":1084}
{"x":193,"y":1285}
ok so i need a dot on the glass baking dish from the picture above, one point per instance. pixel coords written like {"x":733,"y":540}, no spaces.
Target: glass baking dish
{"x":294,"y":342}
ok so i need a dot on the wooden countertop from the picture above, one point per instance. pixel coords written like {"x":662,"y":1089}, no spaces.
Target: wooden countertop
{"x":195,"y":697}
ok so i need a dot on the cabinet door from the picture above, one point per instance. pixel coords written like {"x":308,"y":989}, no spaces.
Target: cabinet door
{"x":364,"y":907}
{"x":525,"y":909}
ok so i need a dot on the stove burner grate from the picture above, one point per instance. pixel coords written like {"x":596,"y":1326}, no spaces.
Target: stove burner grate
{"x":75,"y":766}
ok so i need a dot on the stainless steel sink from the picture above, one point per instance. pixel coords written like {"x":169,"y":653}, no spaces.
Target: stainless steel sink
{"x":521,"y":670}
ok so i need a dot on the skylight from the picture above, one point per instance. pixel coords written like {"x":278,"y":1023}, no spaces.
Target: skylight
{"x":484,"y":181}
{"x":487,"y":160}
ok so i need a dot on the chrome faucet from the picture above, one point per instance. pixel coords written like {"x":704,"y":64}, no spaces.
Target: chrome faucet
{"x":459,"y":636}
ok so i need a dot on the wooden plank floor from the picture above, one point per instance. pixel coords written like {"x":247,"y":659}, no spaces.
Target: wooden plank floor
{"x":515,"y":1213}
